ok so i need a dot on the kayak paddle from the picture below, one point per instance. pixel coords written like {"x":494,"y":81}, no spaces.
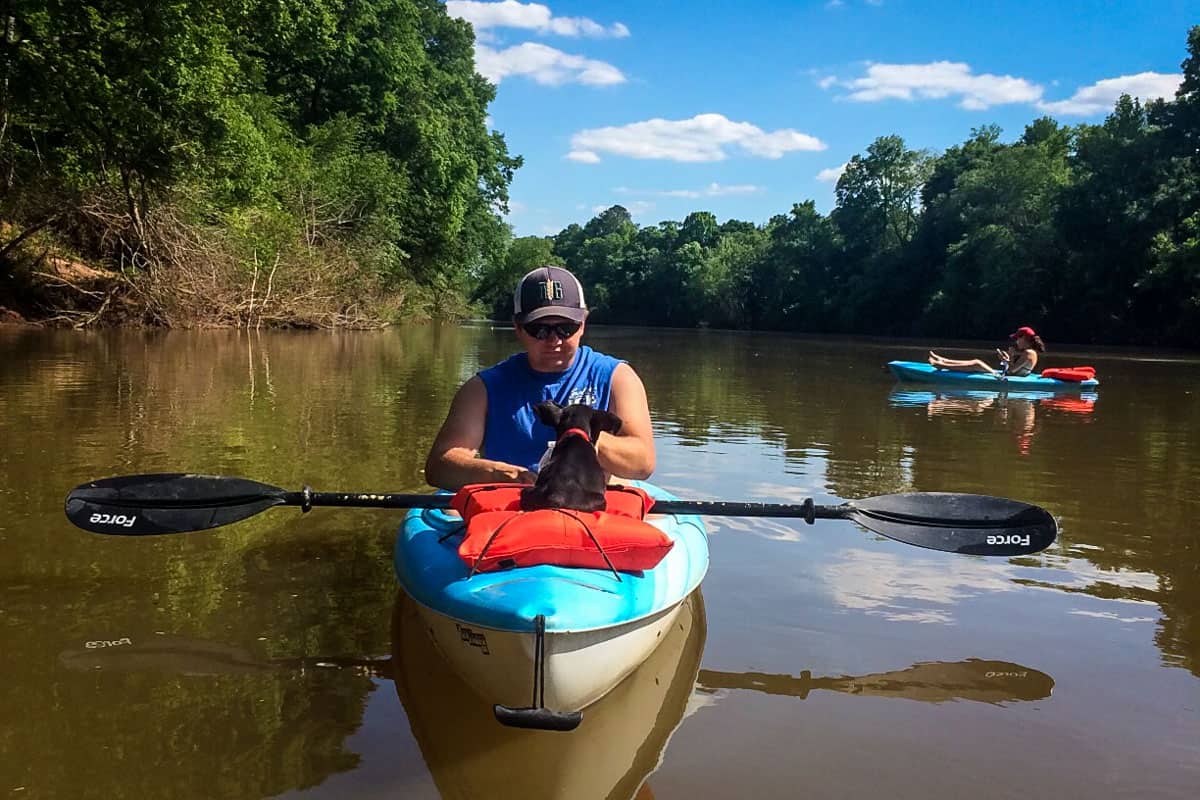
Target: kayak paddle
{"x":972,"y":524}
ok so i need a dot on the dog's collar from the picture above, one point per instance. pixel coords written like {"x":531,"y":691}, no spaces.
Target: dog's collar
{"x":576,"y":432}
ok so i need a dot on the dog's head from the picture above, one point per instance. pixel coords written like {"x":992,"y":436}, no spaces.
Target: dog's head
{"x":564,"y":418}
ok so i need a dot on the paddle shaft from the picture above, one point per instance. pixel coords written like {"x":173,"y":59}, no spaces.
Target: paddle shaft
{"x":310,"y":499}
{"x":806,"y":511}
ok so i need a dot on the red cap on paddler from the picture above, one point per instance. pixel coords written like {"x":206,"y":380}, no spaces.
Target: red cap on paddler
{"x":549,"y":292}
{"x":1024,"y":330}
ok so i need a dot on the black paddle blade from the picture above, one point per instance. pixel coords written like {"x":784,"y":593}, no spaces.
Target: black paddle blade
{"x":137,"y":505}
{"x":971,"y":524}
{"x":538,"y":719}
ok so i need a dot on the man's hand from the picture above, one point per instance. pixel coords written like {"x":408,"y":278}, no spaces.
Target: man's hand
{"x":515,"y":474}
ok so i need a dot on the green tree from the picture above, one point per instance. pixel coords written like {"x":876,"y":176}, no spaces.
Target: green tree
{"x":1000,"y":269}
{"x":726,"y":276}
{"x":111,"y":96}
{"x":793,"y":283}
{"x":405,"y":69}
{"x":877,"y":213}
{"x":495,"y":289}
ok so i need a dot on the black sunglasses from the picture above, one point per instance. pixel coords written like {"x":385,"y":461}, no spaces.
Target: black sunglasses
{"x":542,"y":330}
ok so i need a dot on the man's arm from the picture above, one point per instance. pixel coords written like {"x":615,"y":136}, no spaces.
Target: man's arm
{"x":630,"y":453}
{"x":453,"y":460}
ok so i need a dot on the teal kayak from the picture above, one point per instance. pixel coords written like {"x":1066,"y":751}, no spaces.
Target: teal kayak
{"x":574,"y":632}
{"x":920,"y":372}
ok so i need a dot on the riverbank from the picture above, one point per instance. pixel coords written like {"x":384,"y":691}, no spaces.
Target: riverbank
{"x":198,"y":282}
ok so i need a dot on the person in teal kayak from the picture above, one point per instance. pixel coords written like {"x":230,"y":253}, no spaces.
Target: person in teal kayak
{"x":492,"y":434}
{"x":1019,"y":359}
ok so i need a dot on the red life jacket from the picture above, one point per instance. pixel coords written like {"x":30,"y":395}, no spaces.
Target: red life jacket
{"x":499,"y":535}
{"x":1074,"y":374}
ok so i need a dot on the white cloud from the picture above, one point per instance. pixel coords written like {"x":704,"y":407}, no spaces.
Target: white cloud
{"x":634,"y":208}
{"x":831,"y":174}
{"x":1110,"y":615}
{"x":712,"y":190}
{"x":1101,"y":96}
{"x":584,"y":156}
{"x":704,"y":137}
{"x":912,"y":590}
{"x":936,"y":80}
{"x":774,"y":530}
{"x":544,"y":65}
{"x":529,"y":16}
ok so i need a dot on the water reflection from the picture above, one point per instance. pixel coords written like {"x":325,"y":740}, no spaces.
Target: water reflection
{"x":469,"y":755}
{"x":183,"y":655}
{"x":168,"y":719}
{"x":979,"y":680}
{"x":908,"y":589}
{"x":1016,"y":410}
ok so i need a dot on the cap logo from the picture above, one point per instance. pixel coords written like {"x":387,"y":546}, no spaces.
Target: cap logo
{"x":551,"y":290}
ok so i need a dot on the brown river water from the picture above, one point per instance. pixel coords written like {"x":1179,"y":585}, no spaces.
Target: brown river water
{"x":276,"y":658}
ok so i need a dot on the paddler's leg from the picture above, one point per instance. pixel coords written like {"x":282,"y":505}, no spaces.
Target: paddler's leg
{"x":972,"y":365}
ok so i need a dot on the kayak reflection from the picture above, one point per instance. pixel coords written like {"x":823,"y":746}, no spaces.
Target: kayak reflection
{"x":972,"y":401}
{"x":468,"y":753}
{"x":619,"y":742}
{"x":1017,"y":410}
{"x":980,"y":680}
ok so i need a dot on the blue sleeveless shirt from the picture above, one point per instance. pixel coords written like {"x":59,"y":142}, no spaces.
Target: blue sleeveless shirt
{"x":514,"y":434}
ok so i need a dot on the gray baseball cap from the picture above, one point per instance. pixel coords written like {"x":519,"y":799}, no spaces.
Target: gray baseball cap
{"x":549,"y":292}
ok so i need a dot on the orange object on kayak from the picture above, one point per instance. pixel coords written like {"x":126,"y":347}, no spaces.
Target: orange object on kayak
{"x":1075,"y":374}
{"x":477,"y":498}
{"x":564,"y":538}
{"x":501,"y":536}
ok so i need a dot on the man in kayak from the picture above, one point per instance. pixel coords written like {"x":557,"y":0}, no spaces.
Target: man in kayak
{"x":491,"y":433}
{"x":1019,"y":359}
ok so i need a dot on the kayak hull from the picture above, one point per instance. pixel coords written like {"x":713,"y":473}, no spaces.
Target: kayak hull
{"x":599,"y":626}
{"x":580,"y":668}
{"x":920,"y":372}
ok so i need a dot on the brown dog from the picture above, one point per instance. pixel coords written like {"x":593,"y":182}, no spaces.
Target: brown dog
{"x":573,"y":477}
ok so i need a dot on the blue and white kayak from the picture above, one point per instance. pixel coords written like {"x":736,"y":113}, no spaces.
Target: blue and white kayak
{"x":921,"y":372}
{"x":599,"y":626}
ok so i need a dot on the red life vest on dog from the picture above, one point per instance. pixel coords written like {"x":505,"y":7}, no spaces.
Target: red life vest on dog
{"x":499,"y":535}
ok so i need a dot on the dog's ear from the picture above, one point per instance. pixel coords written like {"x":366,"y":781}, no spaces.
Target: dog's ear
{"x":549,"y":412}
{"x":605,"y":421}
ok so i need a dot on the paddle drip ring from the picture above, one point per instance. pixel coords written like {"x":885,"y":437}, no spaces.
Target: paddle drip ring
{"x":306,"y":495}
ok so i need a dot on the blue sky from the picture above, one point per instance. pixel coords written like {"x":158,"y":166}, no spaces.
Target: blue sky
{"x":743,"y":109}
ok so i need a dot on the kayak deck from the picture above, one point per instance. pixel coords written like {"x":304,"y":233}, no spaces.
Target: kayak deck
{"x":920,"y":372}
{"x":571,"y":599}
